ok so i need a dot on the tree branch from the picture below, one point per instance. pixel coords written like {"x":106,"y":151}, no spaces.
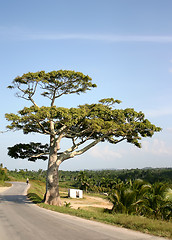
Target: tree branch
{"x":39,"y":155}
{"x":66,"y":155}
{"x":75,"y":146}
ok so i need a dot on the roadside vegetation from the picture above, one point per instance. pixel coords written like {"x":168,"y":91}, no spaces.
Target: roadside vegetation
{"x":3,"y":177}
{"x":137,"y":199}
{"x":139,"y":223}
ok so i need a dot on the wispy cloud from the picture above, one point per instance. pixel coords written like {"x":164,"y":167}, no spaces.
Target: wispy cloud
{"x":152,"y":148}
{"x":156,"y":147}
{"x":105,"y":152}
{"x":24,"y":34}
{"x":102,"y":37}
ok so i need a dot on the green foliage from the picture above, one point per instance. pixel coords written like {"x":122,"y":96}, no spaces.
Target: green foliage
{"x":142,"y":224}
{"x":151,"y":175}
{"x":22,"y":175}
{"x":101,"y":180}
{"x":36,"y":191}
{"x":128,"y":197}
{"x":142,"y":199}
{"x":85,"y":126}
{"x":3,"y":175}
{"x":133,"y":196}
{"x":155,"y":204}
{"x":32,"y":151}
{"x":67,"y":204}
{"x":87,"y":122}
{"x":109,"y":101}
{"x":169,"y":194}
{"x":85,"y":182}
{"x":62,"y":81}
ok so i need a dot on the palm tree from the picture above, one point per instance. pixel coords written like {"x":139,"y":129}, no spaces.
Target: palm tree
{"x":155,"y":203}
{"x":127,"y":197}
{"x":140,"y":188}
{"x":84,"y":180}
{"x":122,"y":199}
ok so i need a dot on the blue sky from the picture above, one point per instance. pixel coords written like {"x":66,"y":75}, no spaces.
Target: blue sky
{"x":124,"y":45}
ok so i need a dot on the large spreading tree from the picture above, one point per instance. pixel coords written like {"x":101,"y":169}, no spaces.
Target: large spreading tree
{"x":85,"y":125}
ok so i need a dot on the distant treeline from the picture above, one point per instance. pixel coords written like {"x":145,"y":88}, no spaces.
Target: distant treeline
{"x":150,"y":175}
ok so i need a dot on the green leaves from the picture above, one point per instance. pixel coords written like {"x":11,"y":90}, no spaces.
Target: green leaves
{"x":52,"y":84}
{"x":89,"y":121}
{"x":32,"y":151}
{"x":109,"y":101}
{"x":97,"y":122}
{"x":85,"y":126}
{"x":141,"y":198}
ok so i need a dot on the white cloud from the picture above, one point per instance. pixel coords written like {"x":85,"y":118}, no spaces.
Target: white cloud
{"x":24,"y":34}
{"x":105,"y":152}
{"x":153,"y":147}
{"x":156,"y":147}
{"x":101,"y":37}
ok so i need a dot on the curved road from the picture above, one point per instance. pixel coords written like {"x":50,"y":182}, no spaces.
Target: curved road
{"x":22,"y":220}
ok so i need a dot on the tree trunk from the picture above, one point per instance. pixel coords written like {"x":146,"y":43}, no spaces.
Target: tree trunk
{"x":52,"y":196}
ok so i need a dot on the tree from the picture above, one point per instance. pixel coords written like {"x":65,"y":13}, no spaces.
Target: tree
{"x":155,"y":204}
{"x":84,"y":180}
{"x":85,"y":126}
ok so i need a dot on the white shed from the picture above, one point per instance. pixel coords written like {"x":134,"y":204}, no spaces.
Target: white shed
{"x":75,"y":193}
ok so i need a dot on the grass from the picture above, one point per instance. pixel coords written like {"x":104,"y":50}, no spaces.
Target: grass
{"x":142,"y":224}
{"x":36,"y":191}
{"x":4,"y":184}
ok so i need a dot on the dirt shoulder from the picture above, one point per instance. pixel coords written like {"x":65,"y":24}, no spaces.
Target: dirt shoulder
{"x":87,"y":201}
{"x":3,"y":189}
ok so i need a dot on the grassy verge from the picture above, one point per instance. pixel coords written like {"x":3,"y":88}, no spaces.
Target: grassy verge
{"x":4,"y":184}
{"x":36,"y":191}
{"x":142,"y":224}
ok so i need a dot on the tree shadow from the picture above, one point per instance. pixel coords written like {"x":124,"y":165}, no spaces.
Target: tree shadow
{"x":18,"y":199}
{"x":34,"y":198}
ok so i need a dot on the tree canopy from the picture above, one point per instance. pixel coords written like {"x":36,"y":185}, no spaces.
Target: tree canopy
{"x":96,"y":122}
{"x":85,"y":125}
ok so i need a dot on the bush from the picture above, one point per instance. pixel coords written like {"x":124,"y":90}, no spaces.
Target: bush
{"x":3,"y":175}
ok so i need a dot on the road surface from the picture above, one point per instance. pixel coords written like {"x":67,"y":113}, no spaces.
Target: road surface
{"x":22,"y":220}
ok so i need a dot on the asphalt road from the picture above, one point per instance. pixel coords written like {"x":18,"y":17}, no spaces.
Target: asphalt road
{"x":22,"y":220}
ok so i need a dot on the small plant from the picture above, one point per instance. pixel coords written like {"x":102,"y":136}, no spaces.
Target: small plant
{"x":67,"y":204}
